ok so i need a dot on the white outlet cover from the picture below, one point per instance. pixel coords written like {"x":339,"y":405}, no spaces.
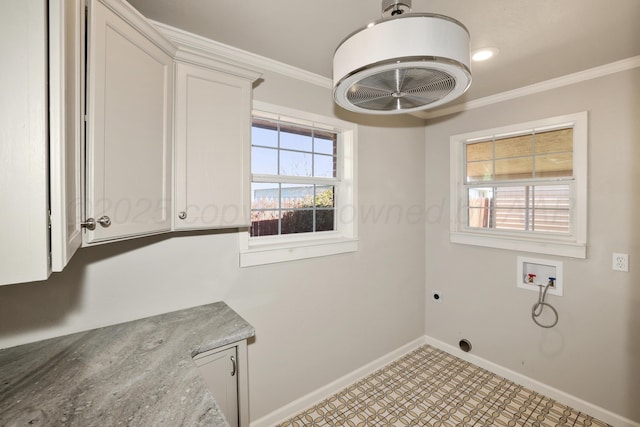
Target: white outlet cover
{"x":620,"y":262}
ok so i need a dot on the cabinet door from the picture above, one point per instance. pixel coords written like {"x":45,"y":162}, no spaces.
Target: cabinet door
{"x":219,"y":369}
{"x":128,"y":144}
{"x":213,"y":131}
{"x":66,"y":127}
{"x":24,"y":254}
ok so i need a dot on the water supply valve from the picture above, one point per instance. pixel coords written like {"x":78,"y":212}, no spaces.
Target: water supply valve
{"x":531,"y":277}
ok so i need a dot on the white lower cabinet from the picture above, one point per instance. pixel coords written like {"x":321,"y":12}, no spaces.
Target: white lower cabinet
{"x":224,"y":370}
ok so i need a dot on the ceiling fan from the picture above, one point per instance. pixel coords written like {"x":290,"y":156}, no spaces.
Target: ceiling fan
{"x":402,"y":63}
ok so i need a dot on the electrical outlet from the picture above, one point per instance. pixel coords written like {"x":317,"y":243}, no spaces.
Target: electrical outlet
{"x":620,"y":262}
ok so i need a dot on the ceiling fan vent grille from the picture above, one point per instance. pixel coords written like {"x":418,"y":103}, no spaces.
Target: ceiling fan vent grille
{"x":401,"y":89}
{"x":402,"y":64}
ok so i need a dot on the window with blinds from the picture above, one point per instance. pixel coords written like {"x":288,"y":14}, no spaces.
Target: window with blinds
{"x":522,"y":186}
{"x":520,"y":182}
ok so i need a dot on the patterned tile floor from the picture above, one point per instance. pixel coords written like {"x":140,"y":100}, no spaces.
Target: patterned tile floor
{"x":429,"y":387}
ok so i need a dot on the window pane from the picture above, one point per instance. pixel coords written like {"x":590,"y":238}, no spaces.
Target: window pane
{"x":296,"y":140}
{"x":479,"y":217}
{"x":265,"y":212}
{"x":511,"y":219}
{"x":325,"y":208}
{"x":511,"y":197}
{"x":293,"y":163}
{"x":297,"y":221}
{"x":479,"y":171}
{"x":324,"y":166}
{"x":552,"y":221}
{"x":325,"y":220}
{"x":324,"y":196}
{"x":511,"y":208}
{"x":554,"y":141}
{"x":265,"y":195}
{"x":264,"y":136}
{"x":264,"y":161}
{"x":552,"y":208}
{"x":554,"y":165}
{"x":479,"y":201}
{"x":324,"y":146}
{"x":552,"y":196}
{"x":264,"y":223}
{"x":297,"y":196}
{"x":515,"y":146}
{"x":479,"y":151}
{"x":517,"y":168}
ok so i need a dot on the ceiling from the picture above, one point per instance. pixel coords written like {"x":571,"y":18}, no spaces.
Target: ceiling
{"x":538,"y":39}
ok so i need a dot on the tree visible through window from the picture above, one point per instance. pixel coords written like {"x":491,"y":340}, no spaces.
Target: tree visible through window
{"x":294,"y":170}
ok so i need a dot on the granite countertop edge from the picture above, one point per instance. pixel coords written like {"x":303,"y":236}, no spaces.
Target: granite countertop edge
{"x":134,"y":373}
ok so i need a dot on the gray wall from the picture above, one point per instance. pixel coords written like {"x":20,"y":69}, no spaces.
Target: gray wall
{"x":594,"y":351}
{"x":316,"y":320}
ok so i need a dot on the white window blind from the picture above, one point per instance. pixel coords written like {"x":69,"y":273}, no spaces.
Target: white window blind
{"x":525,"y":183}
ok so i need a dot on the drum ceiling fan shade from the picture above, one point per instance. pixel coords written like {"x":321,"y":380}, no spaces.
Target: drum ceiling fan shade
{"x":402,"y":64}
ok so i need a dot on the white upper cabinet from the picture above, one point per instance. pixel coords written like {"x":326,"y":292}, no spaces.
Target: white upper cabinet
{"x":87,"y":152}
{"x":24,"y":182}
{"x":129,"y":125}
{"x":212,"y":141}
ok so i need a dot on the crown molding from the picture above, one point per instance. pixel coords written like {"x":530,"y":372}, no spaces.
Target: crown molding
{"x":237,"y":57}
{"x":569,"y":79}
{"x":127,"y":12}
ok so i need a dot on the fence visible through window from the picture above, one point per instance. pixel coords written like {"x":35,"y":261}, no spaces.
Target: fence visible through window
{"x":520,"y":182}
{"x":294,"y":177}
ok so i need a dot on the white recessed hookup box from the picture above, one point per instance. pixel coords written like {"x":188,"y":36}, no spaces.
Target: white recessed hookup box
{"x":533,"y":272}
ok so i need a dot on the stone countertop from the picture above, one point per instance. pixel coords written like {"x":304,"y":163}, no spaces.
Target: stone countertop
{"x":138,"y":373}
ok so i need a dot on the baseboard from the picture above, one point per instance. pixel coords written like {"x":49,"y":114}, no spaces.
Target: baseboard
{"x":307,"y":401}
{"x":561,"y":396}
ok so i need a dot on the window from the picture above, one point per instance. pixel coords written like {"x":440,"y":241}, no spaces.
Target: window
{"x":522,"y":187}
{"x":293,"y":178}
{"x":302,"y":186}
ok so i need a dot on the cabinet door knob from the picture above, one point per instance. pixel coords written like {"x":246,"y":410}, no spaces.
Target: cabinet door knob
{"x":233,"y":366}
{"x":182,"y":215}
{"x":104,"y":221}
{"x":90,"y":223}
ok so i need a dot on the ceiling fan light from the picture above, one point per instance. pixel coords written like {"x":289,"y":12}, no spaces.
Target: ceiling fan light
{"x":407,"y":63}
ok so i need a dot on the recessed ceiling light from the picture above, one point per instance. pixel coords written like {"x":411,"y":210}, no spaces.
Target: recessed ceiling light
{"x":484,"y":54}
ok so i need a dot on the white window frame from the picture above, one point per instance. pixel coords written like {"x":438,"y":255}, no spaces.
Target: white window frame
{"x":272,"y":249}
{"x":572,"y":245}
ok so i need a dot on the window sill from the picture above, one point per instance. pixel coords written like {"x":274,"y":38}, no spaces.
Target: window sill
{"x":260,"y":254}
{"x":559,"y":248}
